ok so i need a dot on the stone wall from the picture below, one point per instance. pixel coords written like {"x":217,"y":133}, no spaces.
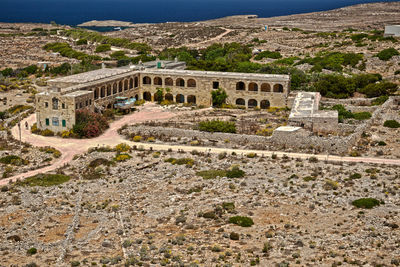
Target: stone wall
{"x":301,"y":139}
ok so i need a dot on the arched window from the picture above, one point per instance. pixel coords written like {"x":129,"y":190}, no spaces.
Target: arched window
{"x":103,"y":92}
{"x":191,"y":99}
{"x":169,"y":82}
{"x":115,"y":89}
{"x":180,"y":98}
{"x":180,"y":82}
{"x":157,"y":81}
{"x":252,"y":103}
{"x":146,"y":80}
{"x":253,"y":87}
{"x":265,"y":87}
{"x":264,"y":104}
{"x":278,"y":88}
{"x":191,"y":83}
{"x":240,"y":102}
{"x":136,"y":82}
{"x":108,"y":89}
{"x":240,"y":86}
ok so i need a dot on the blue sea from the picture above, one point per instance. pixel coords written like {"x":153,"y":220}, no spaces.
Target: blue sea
{"x":72,"y":12}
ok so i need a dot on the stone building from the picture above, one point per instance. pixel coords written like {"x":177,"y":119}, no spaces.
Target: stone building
{"x":305,"y":113}
{"x":99,"y":88}
{"x":392,"y":30}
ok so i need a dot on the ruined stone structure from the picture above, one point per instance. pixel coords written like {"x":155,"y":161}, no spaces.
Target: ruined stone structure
{"x":305,"y":113}
{"x":56,"y":107}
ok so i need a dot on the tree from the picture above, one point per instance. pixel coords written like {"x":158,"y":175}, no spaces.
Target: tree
{"x":159,"y":95}
{"x":218,"y":97}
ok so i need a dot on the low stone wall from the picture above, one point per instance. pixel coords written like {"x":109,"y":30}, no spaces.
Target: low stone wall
{"x":301,"y":139}
{"x":193,"y":134}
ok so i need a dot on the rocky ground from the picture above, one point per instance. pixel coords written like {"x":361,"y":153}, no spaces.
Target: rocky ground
{"x":142,"y":211}
{"x":16,"y":158}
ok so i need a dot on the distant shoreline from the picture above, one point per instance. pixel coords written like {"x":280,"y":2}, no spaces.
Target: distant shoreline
{"x":59,"y":13}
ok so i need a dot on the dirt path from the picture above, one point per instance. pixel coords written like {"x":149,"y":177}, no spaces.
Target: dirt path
{"x":214,"y":39}
{"x":71,"y":147}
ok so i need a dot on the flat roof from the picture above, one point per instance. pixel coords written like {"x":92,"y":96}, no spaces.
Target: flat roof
{"x":78,"y":93}
{"x":287,"y":128}
{"x":90,"y":76}
{"x":304,"y":105}
{"x":216,"y":74}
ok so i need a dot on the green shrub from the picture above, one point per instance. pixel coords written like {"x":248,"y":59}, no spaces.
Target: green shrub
{"x":82,"y":42}
{"x":235,"y":172}
{"x":89,"y":124}
{"x":366,"y":203}
{"x":45,"y":180}
{"x":391,"y":124}
{"x":51,"y":150}
{"x":309,"y":178}
{"x":136,"y":138}
{"x":379,"y":100}
{"x":217,"y":126}
{"x":362,"y":115}
{"x":355,"y":176}
{"x":268,"y":54}
{"x":47,"y":132}
{"x":234,"y":236}
{"x":387,"y":54}
{"x":218,"y":97}
{"x":103,"y":48}
{"x":11,"y":159}
{"x":98,"y":162}
{"x":181,"y":161}
{"x":122,"y":148}
{"x":381,"y":143}
{"x":241,"y":221}
{"x":251,"y":155}
{"x":31,"y":251}
{"x":228,"y":206}
{"x":211,"y":174}
{"x":122,"y":157}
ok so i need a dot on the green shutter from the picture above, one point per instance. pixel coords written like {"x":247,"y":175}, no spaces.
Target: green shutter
{"x":64,"y":123}
{"x":47,"y":122}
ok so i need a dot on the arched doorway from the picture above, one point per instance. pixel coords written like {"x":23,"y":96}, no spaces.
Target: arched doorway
{"x":240,"y":102}
{"x":137,"y":97}
{"x":253,"y":87}
{"x":180,"y":98}
{"x":103,"y":92}
{"x":130,"y":83}
{"x":147,"y":96}
{"x":191,"y":99}
{"x":96,"y":93}
{"x":136,"y":82}
{"x":125,"y":85}
{"x":108,"y":90}
{"x":264,"y":104}
{"x":115,"y":89}
{"x":169,"y":97}
{"x":252,"y":103}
